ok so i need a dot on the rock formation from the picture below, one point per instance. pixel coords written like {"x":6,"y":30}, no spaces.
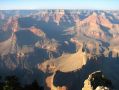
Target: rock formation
{"x":52,"y":40}
{"x":97,"y":81}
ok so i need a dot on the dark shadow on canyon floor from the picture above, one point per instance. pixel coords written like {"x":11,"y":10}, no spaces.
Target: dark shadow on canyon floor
{"x":75,"y":80}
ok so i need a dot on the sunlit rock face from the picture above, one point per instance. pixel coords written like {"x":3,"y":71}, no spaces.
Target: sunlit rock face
{"x":97,"y":81}
{"x":35,"y":41}
{"x":102,"y":88}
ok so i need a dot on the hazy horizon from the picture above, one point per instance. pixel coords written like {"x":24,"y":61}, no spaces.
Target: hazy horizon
{"x":59,"y":4}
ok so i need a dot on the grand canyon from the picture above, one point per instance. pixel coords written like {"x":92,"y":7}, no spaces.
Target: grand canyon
{"x":61,"y":49}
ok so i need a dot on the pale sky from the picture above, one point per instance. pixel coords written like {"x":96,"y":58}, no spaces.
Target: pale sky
{"x":59,"y":4}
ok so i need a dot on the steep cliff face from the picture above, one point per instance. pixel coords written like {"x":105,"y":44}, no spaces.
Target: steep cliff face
{"x":93,"y":25}
{"x":58,"y":15}
{"x":50,"y":40}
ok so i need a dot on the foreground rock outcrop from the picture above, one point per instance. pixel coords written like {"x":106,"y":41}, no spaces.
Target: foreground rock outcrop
{"x":97,"y":81}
